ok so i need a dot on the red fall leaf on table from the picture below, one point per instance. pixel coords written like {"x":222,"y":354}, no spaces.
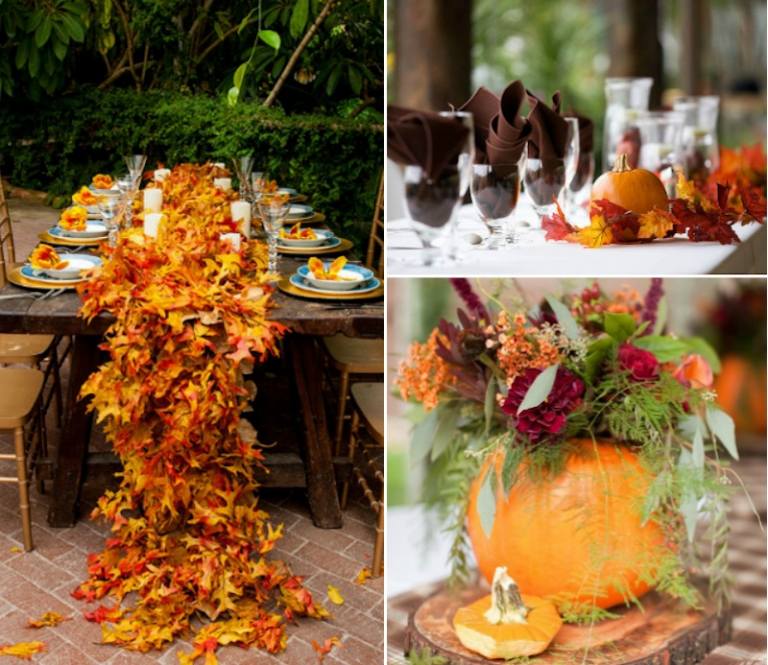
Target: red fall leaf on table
{"x":325,"y":648}
{"x":555,"y":226}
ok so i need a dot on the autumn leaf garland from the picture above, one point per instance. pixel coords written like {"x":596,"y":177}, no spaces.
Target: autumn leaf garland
{"x":189,"y":539}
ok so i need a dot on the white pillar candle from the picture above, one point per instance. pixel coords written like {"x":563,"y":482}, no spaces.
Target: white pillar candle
{"x":153,"y":199}
{"x":233,"y":239}
{"x":223,"y":183}
{"x":220,"y":165}
{"x":241,"y":212}
{"x":161,"y":174}
{"x":152,"y":222}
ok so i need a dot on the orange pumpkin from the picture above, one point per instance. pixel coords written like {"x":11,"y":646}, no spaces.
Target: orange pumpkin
{"x":506,"y":624}
{"x":637,"y":190}
{"x":571,"y":537}
{"x":741,"y":392}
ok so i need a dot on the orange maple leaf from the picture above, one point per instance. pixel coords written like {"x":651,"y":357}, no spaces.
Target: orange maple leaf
{"x":363,"y":575}
{"x":324,"y":649}
{"x":23,"y":650}
{"x":48,"y":619}
{"x":597,"y":234}
{"x":655,"y":224}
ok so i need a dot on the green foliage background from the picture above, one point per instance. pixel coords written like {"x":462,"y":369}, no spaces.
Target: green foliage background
{"x":60,"y":145}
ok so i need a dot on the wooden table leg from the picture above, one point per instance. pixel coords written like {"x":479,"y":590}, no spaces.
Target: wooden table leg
{"x":318,"y":462}
{"x":73,"y":446}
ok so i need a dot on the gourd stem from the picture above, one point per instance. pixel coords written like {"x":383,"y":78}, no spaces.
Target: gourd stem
{"x":507,"y":604}
{"x":621,"y":165}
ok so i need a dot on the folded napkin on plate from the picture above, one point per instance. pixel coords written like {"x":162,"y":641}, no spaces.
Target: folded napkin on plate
{"x":500,"y":131}
{"x":424,"y":138}
{"x":549,"y":134}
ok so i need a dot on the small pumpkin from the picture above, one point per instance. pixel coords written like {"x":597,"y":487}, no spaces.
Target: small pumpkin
{"x":507,"y":624}
{"x":575,"y":537}
{"x":741,"y":392}
{"x":637,"y":190}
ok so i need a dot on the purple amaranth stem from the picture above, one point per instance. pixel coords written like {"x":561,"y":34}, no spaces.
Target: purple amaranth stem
{"x":651,"y":305}
{"x":470,"y":298}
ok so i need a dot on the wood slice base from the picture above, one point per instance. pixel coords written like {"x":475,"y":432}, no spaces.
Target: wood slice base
{"x":663,"y":633}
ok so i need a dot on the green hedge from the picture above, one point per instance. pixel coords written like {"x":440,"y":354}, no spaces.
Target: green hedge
{"x":58,"y":146}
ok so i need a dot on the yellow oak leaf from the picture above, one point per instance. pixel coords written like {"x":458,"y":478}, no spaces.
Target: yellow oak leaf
{"x":654,"y":224}
{"x":48,"y":619}
{"x":334,"y":595}
{"x":597,"y":234}
{"x":363,"y":575}
{"x":23,"y":650}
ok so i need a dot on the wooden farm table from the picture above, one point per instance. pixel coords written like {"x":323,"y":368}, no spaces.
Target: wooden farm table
{"x":305,"y":318}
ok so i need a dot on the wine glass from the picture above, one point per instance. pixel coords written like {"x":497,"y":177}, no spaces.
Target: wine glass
{"x":125,"y":185}
{"x":243,"y":169}
{"x":545,"y":178}
{"x":431,"y":203}
{"x":108,"y":207}
{"x":273,"y":209}
{"x":661,"y":145}
{"x":495,"y":190}
{"x":572,"y":153}
{"x":135,"y":164}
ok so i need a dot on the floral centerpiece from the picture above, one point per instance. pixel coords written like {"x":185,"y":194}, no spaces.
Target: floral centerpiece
{"x":578,"y":445}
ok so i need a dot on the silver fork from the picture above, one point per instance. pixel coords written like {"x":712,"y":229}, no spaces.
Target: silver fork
{"x":14,"y":296}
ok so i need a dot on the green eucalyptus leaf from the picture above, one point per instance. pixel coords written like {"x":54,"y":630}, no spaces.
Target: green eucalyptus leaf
{"x":270,"y":38}
{"x":423,"y":434}
{"x":489,"y":407}
{"x":665,"y":349}
{"x":697,"y":452}
{"x":619,"y":326}
{"x":445,"y":431}
{"x":564,"y":318}
{"x":721,"y":425}
{"x":661,"y":316}
{"x":486,"y":503}
{"x":539,"y":390}
{"x":690,"y":511}
{"x":597,"y":352}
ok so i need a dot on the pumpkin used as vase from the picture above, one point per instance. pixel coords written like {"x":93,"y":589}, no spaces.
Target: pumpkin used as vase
{"x":507,"y":624}
{"x":637,"y":190}
{"x":576,"y":537}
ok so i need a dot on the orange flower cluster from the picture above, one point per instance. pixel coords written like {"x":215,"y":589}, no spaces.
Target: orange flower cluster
{"x":189,"y":539}
{"x":424,"y":375}
{"x":522,"y":347}
{"x":592,"y":304}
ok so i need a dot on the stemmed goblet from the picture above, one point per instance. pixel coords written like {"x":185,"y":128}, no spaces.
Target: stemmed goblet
{"x":273,"y":209}
{"x":495,"y":190}
{"x":125,"y":185}
{"x":108,"y":207}
{"x":243,"y":168}
{"x":135,"y":164}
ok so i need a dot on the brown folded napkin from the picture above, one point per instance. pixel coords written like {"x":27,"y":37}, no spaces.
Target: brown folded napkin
{"x":424,"y":138}
{"x":509,"y":131}
{"x":549,"y":130}
{"x":484,"y":106}
{"x":586,"y":131}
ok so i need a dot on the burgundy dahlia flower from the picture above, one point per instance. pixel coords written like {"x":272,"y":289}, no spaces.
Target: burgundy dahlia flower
{"x":548,"y":417}
{"x":641,"y":364}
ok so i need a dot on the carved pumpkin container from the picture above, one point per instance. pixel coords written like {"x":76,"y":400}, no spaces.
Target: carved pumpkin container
{"x":577,"y":536}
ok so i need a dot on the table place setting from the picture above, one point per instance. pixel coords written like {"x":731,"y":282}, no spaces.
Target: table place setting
{"x":337,"y":280}
{"x":47,"y":269}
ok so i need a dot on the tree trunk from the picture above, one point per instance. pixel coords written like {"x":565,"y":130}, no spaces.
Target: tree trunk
{"x":692,"y":51}
{"x":433,"y":53}
{"x":297,"y":53}
{"x":635,"y":47}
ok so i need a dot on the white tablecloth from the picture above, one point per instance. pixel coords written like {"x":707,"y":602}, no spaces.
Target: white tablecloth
{"x":675,"y":256}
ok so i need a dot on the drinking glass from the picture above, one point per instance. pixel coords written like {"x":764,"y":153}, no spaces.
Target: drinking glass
{"x":660,"y":145}
{"x":135,"y":164}
{"x":625,"y":98}
{"x":495,"y":190}
{"x":579,"y":189}
{"x":545,"y":179}
{"x":258,"y":178}
{"x":243,"y":169}
{"x":273,"y":210}
{"x":429,"y":233}
{"x":108,"y":207}
{"x":701,"y":151}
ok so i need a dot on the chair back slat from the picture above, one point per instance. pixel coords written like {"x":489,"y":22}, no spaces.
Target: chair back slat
{"x":375,"y":256}
{"x":7,"y":249}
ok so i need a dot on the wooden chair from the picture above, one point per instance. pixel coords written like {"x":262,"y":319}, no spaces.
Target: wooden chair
{"x":19,"y":403}
{"x":352,"y":356}
{"x":368,"y":460}
{"x":39,"y":351}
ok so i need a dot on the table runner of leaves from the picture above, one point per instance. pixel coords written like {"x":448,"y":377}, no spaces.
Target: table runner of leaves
{"x":188,"y":554}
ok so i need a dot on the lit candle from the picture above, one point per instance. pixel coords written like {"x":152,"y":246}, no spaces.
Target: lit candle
{"x":153,"y":199}
{"x":152,"y":222}
{"x":233,"y":239}
{"x":223,"y":183}
{"x":241,"y":212}
{"x":161,"y":174}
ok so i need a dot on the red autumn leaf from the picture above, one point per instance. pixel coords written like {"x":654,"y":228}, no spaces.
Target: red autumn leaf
{"x":556,"y":226}
{"x":324,"y":649}
{"x":753,"y":200}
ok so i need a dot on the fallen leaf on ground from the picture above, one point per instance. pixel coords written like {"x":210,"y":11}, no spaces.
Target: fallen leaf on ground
{"x":334,"y":595}
{"x":15,"y":550}
{"x":23,"y":650}
{"x":324,"y":649}
{"x":363,"y":576}
{"x":48,"y":619}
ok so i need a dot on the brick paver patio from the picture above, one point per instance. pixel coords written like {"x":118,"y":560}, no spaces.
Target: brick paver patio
{"x":41,"y":581}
